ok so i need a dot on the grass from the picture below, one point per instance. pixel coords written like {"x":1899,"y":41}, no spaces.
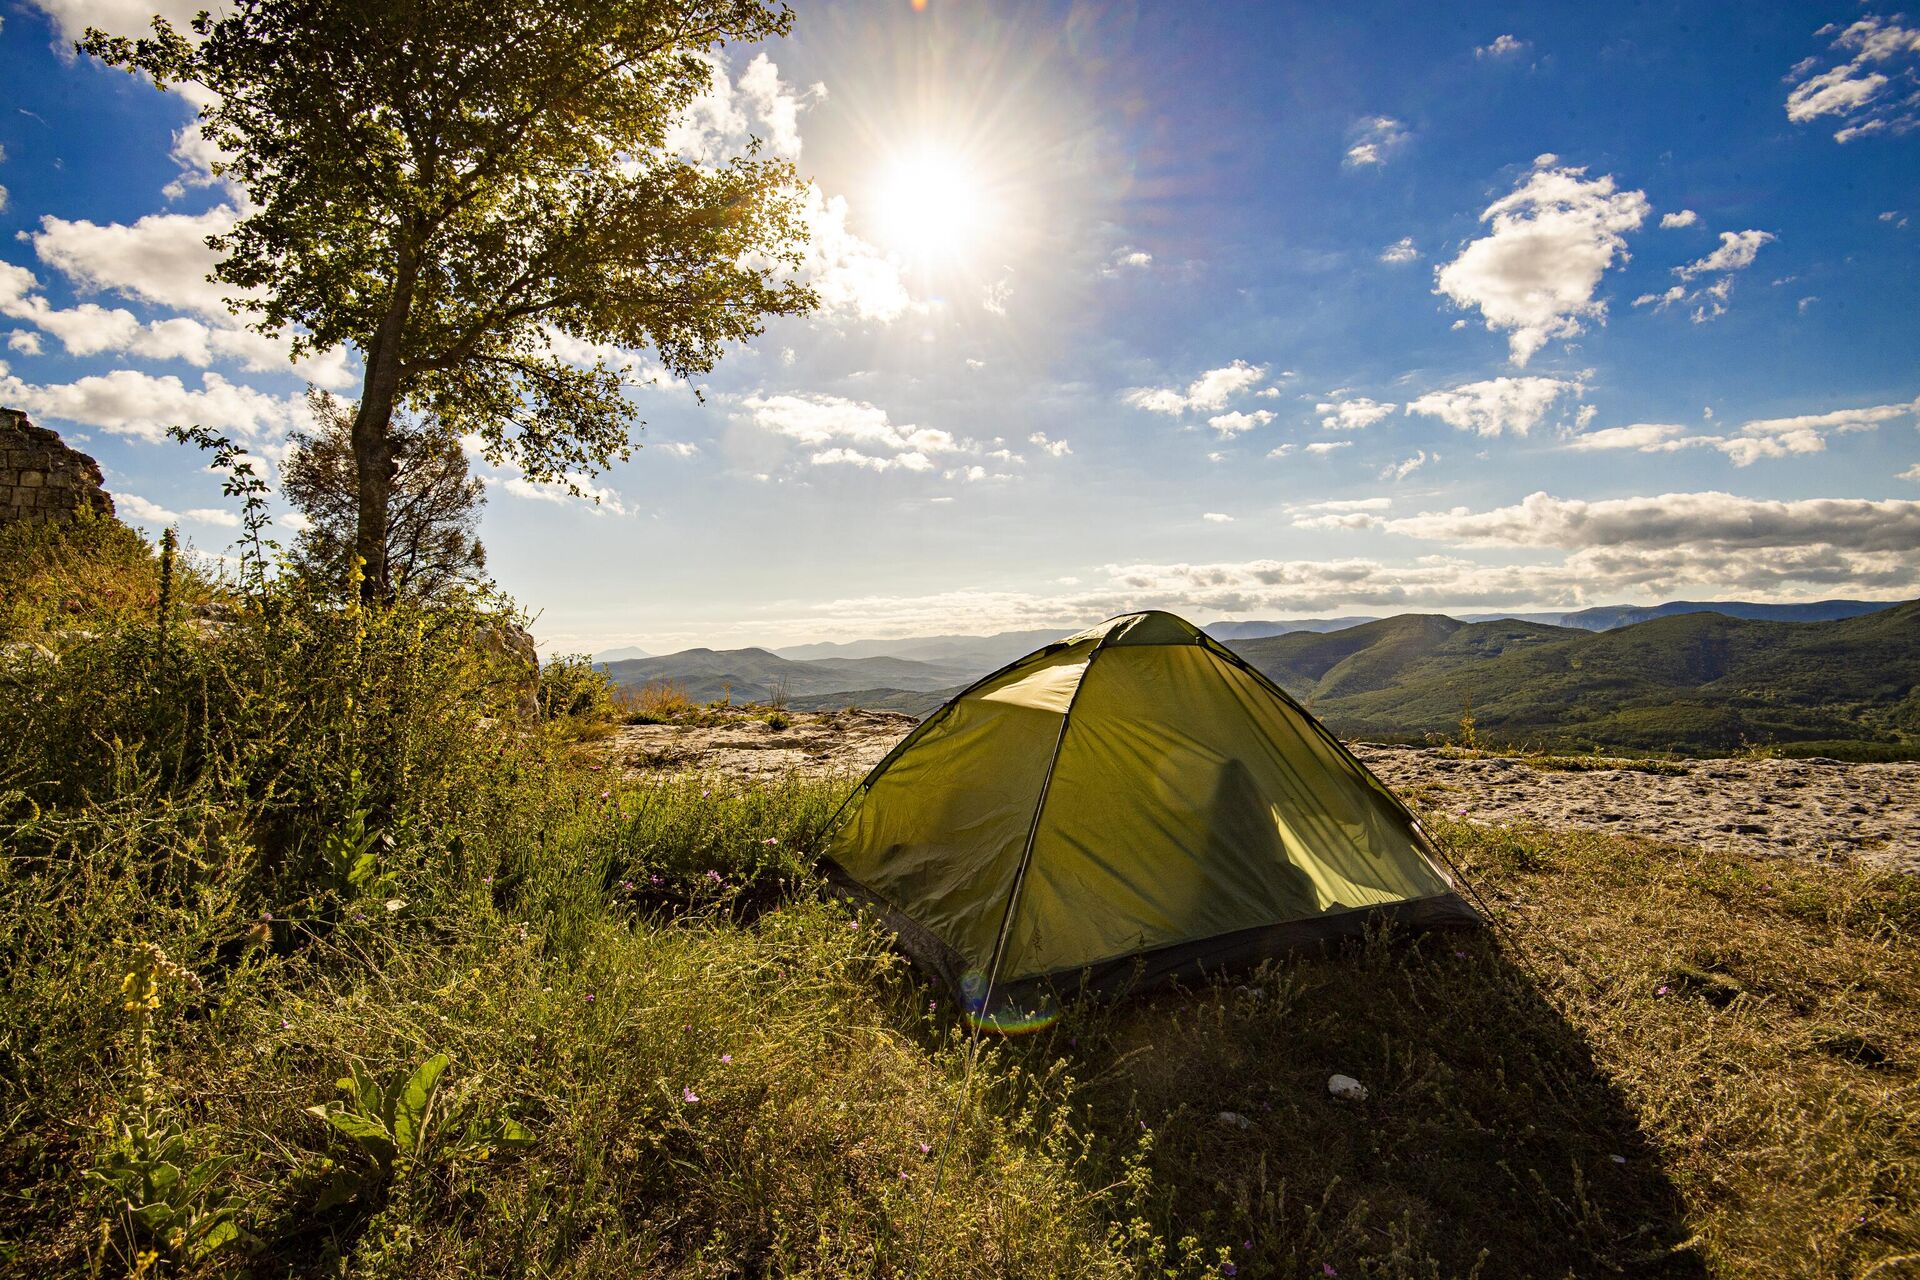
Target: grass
{"x":1662,"y":1062}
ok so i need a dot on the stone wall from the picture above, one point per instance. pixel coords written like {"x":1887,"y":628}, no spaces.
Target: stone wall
{"x":41,"y":478}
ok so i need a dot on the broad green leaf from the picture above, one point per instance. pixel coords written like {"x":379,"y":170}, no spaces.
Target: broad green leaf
{"x":369,"y":1133}
{"x":163,"y":1178}
{"x":415,"y":1100}
{"x":222,"y":1232}
{"x":372,"y":1097}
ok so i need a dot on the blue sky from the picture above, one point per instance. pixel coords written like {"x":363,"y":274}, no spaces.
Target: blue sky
{"x":1244,"y":310}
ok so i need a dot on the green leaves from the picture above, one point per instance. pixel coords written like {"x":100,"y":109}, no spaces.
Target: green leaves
{"x":161,"y":1195}
{"x":415,"y":1101}
{"x":395,"y":1127}
{"x":448,"y":187}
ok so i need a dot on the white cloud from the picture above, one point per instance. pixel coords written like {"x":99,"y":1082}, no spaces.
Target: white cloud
{"x":599,"y":499}
{"x":126,"y":402}
{"x":573,"y":487}
{"x":1211,"y":390}
{"x":994,"y":296}
{"x":1216,"y":517}
{"x":1645,"y":437}
{"x":853,"y":433}
{"x":1911,"y":473}
{"x":1238,"y":423}
{"x":1496,"y":406}
{"x":24,"y":341}
{"x":162,"y":258}
{"x":1755,"y":440}
{"x":1322,"y":448}
{"x":1126,"y":258}
{"x":853,"y":278}
{"x":1055,"y":448}
{"x":678,"y":449}
{"x":1407,"y":466}
{"x":1280,"y":451}
{"x":1736,"y":251}
{"x":1683,"y":218}
{"x":1553,"y":238}
{"x":219,"y":517}
{"x":1401,"y":250}
{"x":1677,"y":520}
{"x":1879,"y":52}
{"x":1804,"y":433}
{"x":1340,"y":513}
{"x":775,"y":104}
{"x":1339,"y":505}
{"x":134,"y":506}
{"x":1352,"y":415}
{"x":912,"y":460}
{"x":118,"y":17}
{"x":1374,"y":139}
{"x":719,"y":123}
{"x":1504,"y":46}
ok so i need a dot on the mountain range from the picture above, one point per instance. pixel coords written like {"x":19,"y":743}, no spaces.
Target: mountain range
{"x":1686,"y":681}
{"x":1684,"y":675}
{"x":991,"y":652}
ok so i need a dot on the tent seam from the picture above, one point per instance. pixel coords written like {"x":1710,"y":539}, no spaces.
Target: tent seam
{"x":1033,"y":827}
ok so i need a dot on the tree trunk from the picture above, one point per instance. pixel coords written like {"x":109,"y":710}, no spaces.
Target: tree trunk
{"x":373,"y":449}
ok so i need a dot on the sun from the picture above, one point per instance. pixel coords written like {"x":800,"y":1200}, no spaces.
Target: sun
{"x":931,"y":206}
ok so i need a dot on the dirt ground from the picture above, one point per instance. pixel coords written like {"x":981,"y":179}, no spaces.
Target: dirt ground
{"x":1810,"y":809}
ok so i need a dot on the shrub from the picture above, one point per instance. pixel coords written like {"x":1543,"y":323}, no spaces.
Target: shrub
{"x":655,"y":702}
{"x":576,"y":696}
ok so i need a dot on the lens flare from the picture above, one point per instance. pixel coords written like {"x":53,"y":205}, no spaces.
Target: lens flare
{"x":1004,"y":1015}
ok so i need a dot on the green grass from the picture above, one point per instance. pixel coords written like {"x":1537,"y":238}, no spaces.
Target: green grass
{"x":1663,"y":1062}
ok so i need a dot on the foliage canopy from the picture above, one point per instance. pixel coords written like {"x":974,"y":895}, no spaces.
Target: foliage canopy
{"x":472,"y":194}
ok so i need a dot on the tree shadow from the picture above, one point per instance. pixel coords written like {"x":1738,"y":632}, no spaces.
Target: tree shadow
{"x":1492,"y":1141}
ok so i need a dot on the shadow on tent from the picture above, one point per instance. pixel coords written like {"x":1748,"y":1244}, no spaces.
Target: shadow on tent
{"x":1490,"y":1128}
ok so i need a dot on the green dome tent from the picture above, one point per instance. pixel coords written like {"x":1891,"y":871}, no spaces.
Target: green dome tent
{"x":1127,"y":805}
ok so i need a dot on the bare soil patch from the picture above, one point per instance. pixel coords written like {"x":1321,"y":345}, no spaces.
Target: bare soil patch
{"x":742,"y":743}
{"x":1808,"y":809}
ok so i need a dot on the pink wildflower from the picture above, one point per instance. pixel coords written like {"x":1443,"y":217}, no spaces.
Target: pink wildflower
{"x":688,"y":1095}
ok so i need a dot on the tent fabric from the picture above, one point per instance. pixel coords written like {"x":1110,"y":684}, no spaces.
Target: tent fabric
{"x":1128,"y":805}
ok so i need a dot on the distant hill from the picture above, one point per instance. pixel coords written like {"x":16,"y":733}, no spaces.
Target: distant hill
{"x":1607,"y":617}
{"x":755,"y":675}
{"x":622,"y":655}
{"x":1687,"y":681}
{"x":982,"y":654}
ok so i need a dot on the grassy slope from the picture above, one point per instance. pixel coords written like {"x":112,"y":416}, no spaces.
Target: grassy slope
{"x":1668,"y":1061}
{"x":1744,"y":1034}
{"x":1693,"y":681}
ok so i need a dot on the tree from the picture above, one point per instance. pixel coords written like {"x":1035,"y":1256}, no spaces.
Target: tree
{"x":434,"y":503}
{"x":446,"y":185}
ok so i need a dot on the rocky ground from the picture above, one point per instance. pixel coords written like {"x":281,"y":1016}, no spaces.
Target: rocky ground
{"x":743,"y":743}
{"x":1813,"y":809}
{"x":1810,"y":809}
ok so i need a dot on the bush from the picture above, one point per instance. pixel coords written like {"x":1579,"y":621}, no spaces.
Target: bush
{"x":577,"y":696}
